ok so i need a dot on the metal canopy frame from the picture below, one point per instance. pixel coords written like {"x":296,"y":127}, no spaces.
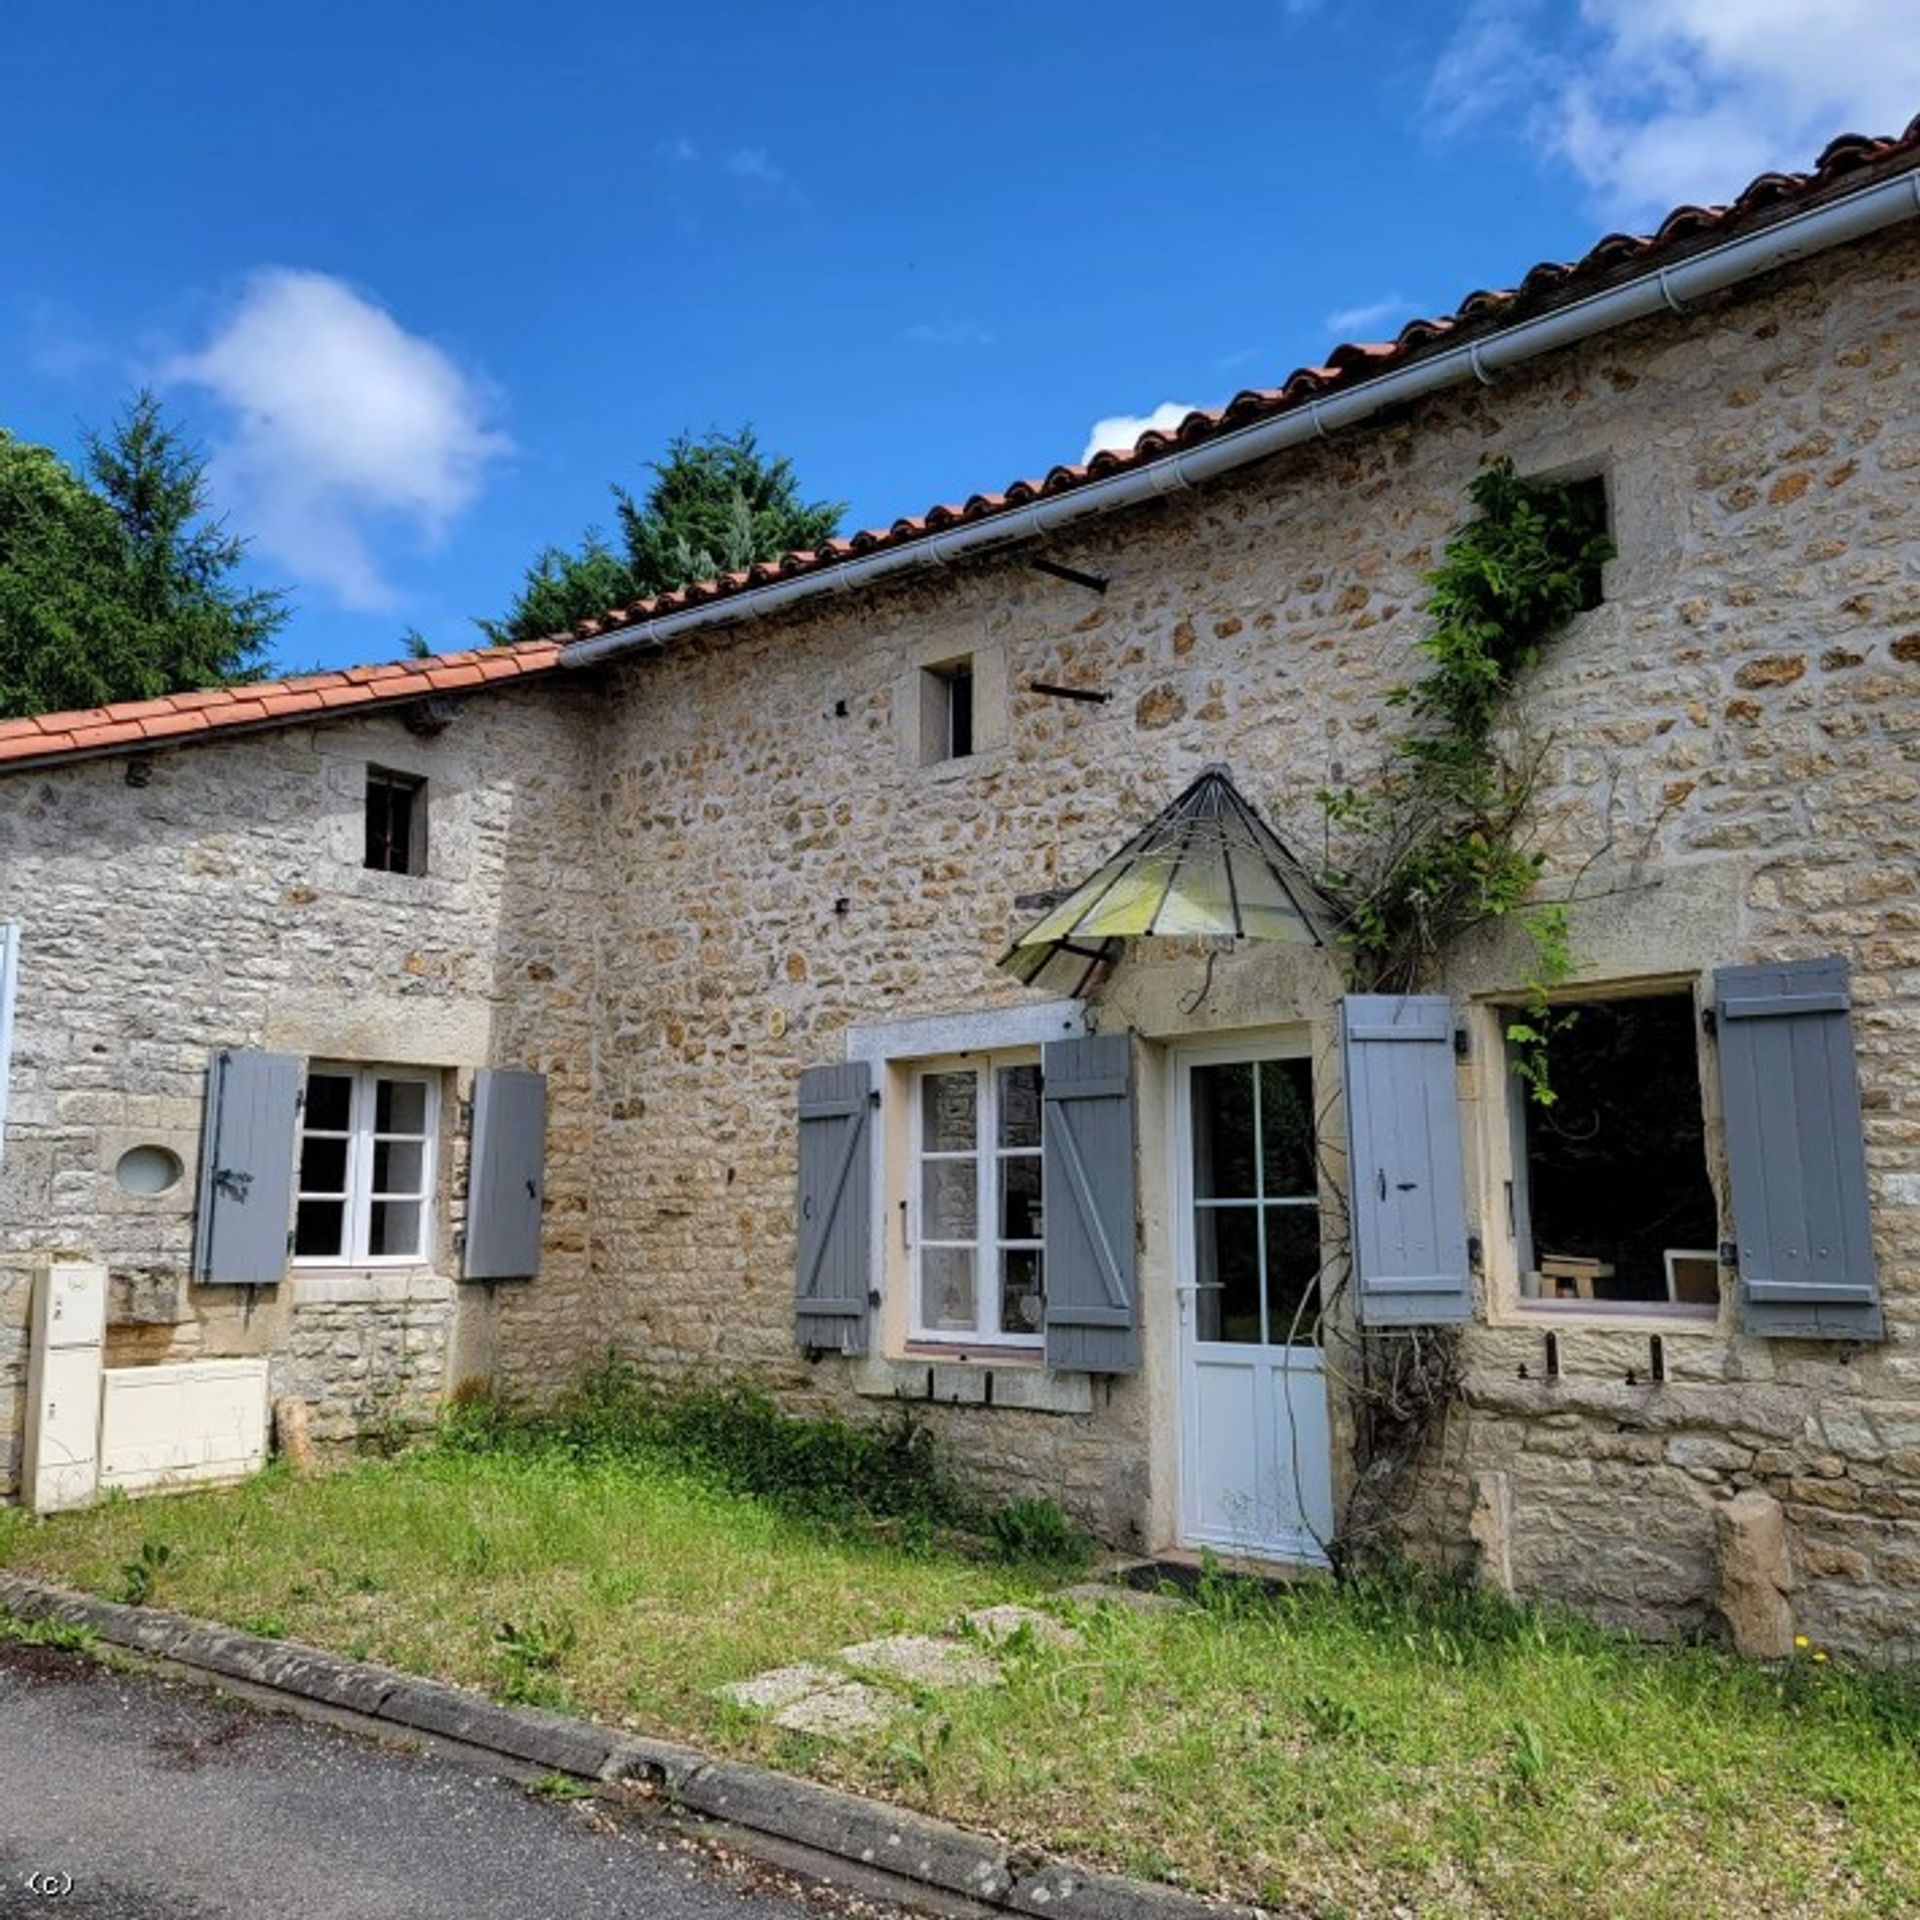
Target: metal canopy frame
{"x":1207,"y":866}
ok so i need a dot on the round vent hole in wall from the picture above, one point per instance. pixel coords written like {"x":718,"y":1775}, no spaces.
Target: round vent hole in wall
{"x":148,"y":1169}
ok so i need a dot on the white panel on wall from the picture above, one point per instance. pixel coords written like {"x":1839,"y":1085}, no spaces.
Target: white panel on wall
{"x":197,"y":1420}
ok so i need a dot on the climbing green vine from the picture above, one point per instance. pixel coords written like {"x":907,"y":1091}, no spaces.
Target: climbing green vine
{"x":1432,"y":847}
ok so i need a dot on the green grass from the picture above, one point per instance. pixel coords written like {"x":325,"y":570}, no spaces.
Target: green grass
{"x":624,"y":1589}
{"x":1357,"y":1750}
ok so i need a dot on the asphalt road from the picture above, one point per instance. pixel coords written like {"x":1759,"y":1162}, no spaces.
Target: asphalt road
{"x":149,"y":1799}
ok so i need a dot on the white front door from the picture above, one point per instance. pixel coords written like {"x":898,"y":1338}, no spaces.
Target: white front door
{"x":1256,"y":1451}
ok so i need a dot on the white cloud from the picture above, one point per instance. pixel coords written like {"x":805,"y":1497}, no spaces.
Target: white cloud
{"x":343,"y":426}
{"x":755,"y":164}
{"x":950,"y":333}
{"x":681,"y":151}
{"x":1120,"y":430}
{"x":1655,"y":102}
{"x":1356,"y":323}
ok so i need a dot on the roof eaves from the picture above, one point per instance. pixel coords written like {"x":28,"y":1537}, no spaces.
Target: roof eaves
{"x":1844,"y":166}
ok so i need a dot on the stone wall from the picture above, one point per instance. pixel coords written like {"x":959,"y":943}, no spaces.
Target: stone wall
{"x":1731,"y":767}
{"x":675,"y":883}
{"x":225,"y":903}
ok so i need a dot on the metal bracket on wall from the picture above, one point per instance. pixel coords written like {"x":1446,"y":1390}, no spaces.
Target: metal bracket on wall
{"x":1093,"y":582}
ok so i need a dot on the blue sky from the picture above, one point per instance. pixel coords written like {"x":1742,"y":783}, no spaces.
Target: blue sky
{"x":425,"y":278}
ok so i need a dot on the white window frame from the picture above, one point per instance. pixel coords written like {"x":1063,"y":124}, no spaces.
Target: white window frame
{"x":359,"y":1197}
{"x":988,"y":1243}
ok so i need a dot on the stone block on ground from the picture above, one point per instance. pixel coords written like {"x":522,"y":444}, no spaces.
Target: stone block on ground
{"x":1756,"y":1574}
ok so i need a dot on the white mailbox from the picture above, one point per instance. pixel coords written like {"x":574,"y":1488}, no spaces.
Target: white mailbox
{"x":68,"y":1324}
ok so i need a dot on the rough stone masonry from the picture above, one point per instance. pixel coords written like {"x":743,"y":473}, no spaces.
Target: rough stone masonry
{"x":672,"y":883}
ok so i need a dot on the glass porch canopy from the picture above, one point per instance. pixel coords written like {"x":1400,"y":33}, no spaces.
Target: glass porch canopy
{"x":1208,"y":865}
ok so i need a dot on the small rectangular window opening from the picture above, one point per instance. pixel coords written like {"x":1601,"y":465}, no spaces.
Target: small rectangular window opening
{"x":1588,"y":498}
{"x":1610,"y":1204}
{"x":396,"y":821}
{"x":946,"y":711}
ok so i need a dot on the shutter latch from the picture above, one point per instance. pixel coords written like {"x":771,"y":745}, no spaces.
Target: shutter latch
{"x":1709,"y":1022}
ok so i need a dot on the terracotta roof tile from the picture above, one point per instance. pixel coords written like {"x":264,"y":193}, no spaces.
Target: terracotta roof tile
{"x":1349,"y":364}
{"x":130,"y":724}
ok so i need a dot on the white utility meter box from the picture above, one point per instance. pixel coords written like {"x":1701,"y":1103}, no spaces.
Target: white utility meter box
{"x":65,"y":1332}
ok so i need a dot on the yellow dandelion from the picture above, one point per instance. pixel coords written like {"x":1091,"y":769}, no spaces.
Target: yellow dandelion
{"x":1801,"y":1640}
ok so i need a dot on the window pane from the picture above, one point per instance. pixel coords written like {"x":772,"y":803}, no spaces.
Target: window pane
{"x":400,"y":1106}
{"x":1286,"y":1128}
{"x":398,"y":1165}
{"x":1293,"y":1269}
{"x":318,"y":1229}
{"x":323,"y":1165}
{"x":1223,"y":1131}
{"x":1021,"y":1310}
{"x":329,"y":1102}
{"x":1020,"y":1197}
{"x":1020,"y":1106}
{"x":1227,"y":1265}
{"x":947,"y":1117}
{"x":946,"y":1289}
{"x":949,"y":1199}
{"x":394,"y":1228}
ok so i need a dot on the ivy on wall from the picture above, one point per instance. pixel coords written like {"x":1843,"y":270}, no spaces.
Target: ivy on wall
{"x":1433,"y":847}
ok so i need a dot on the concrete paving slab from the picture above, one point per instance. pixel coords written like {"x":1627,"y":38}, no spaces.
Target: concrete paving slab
{"x":1096,"y":1593}
{"x":924,"y":1660}
{"x":780,"y":1687}
{"x":996,"y":1625}
{"x":842,"y":1713}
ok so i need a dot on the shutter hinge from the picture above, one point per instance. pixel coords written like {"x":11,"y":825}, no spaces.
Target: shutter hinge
{"x":1474,"y":1251}
{"x":873,"y":1296}
{"x":873,"y":1098}
{"x":1462,"y":1044}
{"x":1730,"y":1255}
{"x":1709,"y":1022}
{"x":290,"y":1239}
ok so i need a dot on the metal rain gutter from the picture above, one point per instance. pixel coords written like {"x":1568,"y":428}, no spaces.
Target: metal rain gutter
{"x":1882,"y":205}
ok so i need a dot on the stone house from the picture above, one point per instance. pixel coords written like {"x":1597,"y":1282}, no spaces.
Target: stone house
{"x":641,"y":993}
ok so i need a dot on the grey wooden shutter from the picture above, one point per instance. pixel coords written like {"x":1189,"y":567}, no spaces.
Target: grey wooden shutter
{"x":508,"y":1174}
{"x":1404,"y":1170}
{"x":1790,"y":1088}
{"x":833,"y":1262}
{"x":248,"y":1140}
{"x":1092,"y":1286}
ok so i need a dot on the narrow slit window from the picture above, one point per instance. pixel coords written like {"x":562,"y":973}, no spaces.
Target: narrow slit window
{"x":946,"y":711}
{"x":396,"y":822}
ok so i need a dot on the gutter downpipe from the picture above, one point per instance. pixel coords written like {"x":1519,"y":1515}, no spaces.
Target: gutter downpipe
{"x":1666,"y":289}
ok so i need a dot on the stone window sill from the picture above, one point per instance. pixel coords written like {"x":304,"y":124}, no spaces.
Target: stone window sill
{"x":367,"y":1286}
{"x":979,"y":1355}
{"x":1584,"y":1316}
{"x":975,"y":1382}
